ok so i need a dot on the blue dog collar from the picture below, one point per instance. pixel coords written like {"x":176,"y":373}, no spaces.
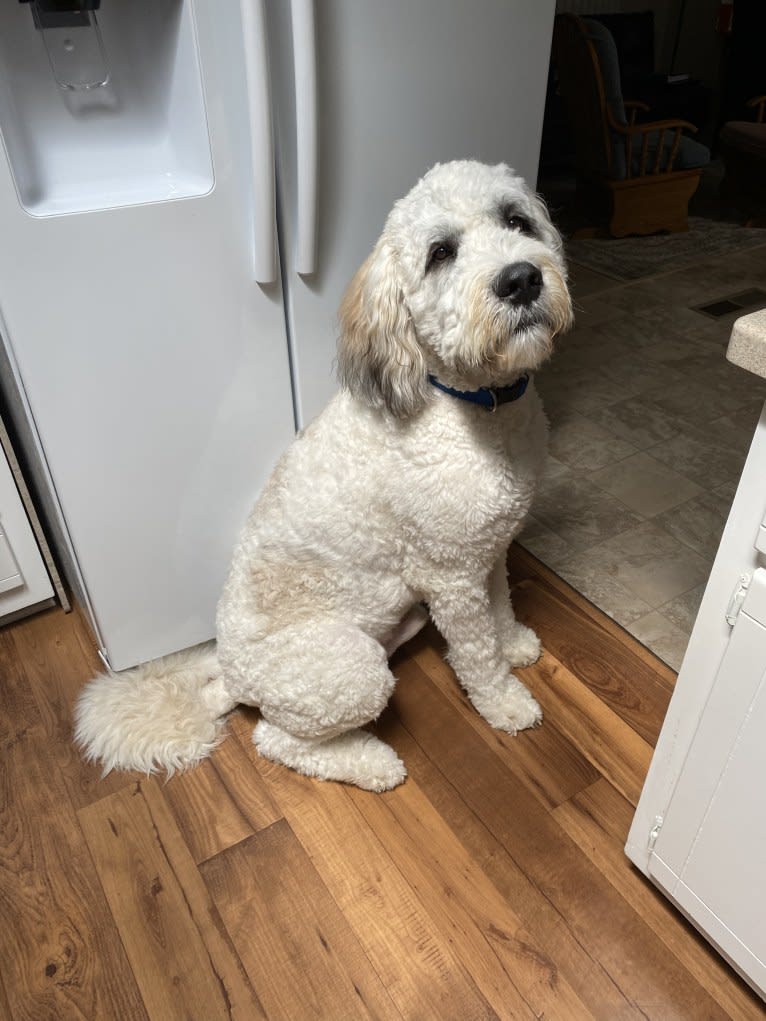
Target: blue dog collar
{"x":488,"y":397}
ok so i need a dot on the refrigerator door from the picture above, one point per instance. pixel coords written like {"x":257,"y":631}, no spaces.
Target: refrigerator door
{"x":155,"y":367}
{"x":400,"y":86}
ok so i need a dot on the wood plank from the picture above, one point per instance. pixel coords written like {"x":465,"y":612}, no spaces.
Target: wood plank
{"x":622,"y":680}
{"x":548,"y":763}
{"x":598,"y":819}
{"x":413,"y":958}
{"x":221,"y":802}
{"x":654,"y":983}
{"x":515,"y":974}
{"x":488,"y":884}
{"x":181,"y":956}
{"x":294,"y":942}
{"x":609,"y":744}
{"x":61,"y":953}
{"x":59,"y":658}
{"x":598,"y":741}
{"x":5,"y":1008}
{"x":523,"y":566}
{"x":572,"y":962}
{"x":206,"y":816}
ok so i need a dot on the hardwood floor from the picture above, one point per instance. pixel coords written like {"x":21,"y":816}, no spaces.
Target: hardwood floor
{"x":492,"y":884}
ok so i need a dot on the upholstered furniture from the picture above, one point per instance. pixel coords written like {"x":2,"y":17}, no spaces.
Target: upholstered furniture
{"x":743,"y":149}
{"x":641,"y":175}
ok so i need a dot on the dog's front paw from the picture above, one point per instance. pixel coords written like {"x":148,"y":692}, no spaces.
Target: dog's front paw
{"x":511,"y":710}
{"x":521,"y":645}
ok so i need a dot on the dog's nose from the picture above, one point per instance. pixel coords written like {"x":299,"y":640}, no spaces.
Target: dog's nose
{"x":520,"y":283}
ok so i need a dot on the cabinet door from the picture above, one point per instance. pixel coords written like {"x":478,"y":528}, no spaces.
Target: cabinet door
{"x":23,"y":578}
{"x":709,"y":855}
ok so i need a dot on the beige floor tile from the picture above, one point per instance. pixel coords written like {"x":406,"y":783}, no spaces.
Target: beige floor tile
{"x":638,"y":422}
{"x":737,"y":430}
{"x":682,"y":611}
{"x":673,"y":348}
{"x":584,"y":446}
{"x":648,"y":421}
{"x":709,"y":368}
{"x":587,"y":349}
{"x":645,"y":486}
{"x":579,"y":389}
{"x":634,"y":298}
{"x":642,"y":331}
{"x":698,"y":523}
{"x":606,"y":591}
{"x":584,"y":281}
{"x":646,"y":561}
{"x":636,"y":374}
{"x":579,"y":512}
{"x":728,"y":489}
{"x":543,"y":543}
{"x":697,"y":401}
{"x":554,"y":470}
{"x":700,"y":327}
{"x":662,"y":636}
{"x":595,"y":308}
{"x":698,"y":454}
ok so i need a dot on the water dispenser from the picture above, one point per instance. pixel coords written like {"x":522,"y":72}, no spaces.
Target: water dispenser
{"x":102,"y":104}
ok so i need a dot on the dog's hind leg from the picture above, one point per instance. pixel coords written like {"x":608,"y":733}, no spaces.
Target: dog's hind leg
{"x":321,"y":680}
{"x":354,"y":757}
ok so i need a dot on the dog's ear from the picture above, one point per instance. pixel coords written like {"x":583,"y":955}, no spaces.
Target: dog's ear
{"x":379,"y":358}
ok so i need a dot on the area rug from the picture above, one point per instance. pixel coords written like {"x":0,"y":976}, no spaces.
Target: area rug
{"x":636,"y":257}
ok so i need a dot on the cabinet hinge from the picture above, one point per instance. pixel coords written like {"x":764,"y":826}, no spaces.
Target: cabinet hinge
{"x":737,"y":599}
{"x":654,"y":832}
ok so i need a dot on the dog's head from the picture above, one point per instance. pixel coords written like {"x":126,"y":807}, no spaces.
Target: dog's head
{"x":467,"y":282}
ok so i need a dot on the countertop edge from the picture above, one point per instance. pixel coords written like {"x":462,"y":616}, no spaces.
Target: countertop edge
{"x":747,"y":344}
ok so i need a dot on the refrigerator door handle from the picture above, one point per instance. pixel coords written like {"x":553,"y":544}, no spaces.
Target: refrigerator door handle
{"x":307,"y":140}
{"x":258,"y":83}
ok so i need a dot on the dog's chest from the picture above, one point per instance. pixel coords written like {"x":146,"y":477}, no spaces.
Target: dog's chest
{"x":475,"y":477}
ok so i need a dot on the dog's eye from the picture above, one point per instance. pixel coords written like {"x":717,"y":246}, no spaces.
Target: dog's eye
{"x":519,"y":223}
{"x":441,"y":251}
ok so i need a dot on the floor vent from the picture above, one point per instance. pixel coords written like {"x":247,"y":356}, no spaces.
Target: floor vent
{"x":751,"y":299}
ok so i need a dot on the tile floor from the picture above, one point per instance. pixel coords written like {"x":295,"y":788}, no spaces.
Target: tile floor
{"x":650,"y":426}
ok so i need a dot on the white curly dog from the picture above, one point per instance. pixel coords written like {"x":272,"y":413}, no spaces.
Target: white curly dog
{"x":407,"y":489}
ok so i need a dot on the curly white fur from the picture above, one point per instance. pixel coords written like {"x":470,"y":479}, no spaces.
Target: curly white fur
{"x":397,"y":494}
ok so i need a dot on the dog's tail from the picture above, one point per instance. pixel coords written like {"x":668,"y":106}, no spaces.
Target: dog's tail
{"x":163,"y":715}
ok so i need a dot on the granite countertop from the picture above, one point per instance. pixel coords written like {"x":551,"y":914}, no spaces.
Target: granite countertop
{"x":747,"y":345}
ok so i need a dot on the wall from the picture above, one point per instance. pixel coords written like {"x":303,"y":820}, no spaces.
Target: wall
{"x":699,"y":49}
{"x":665,"y":19}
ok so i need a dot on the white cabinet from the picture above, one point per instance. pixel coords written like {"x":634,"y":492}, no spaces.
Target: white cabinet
{"x":700,"y":828}
{"x":710,"y":853}
{"x":24,"y":581}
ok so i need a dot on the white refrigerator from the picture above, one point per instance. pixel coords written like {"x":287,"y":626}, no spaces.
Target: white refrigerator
{"x":186,"y":187}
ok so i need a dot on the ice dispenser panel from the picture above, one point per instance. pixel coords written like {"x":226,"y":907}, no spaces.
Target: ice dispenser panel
{"x":102,"y":107}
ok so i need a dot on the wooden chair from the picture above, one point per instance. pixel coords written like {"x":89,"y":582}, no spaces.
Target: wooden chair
{"x":641,"y":175}
{"x":743,"y":149}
